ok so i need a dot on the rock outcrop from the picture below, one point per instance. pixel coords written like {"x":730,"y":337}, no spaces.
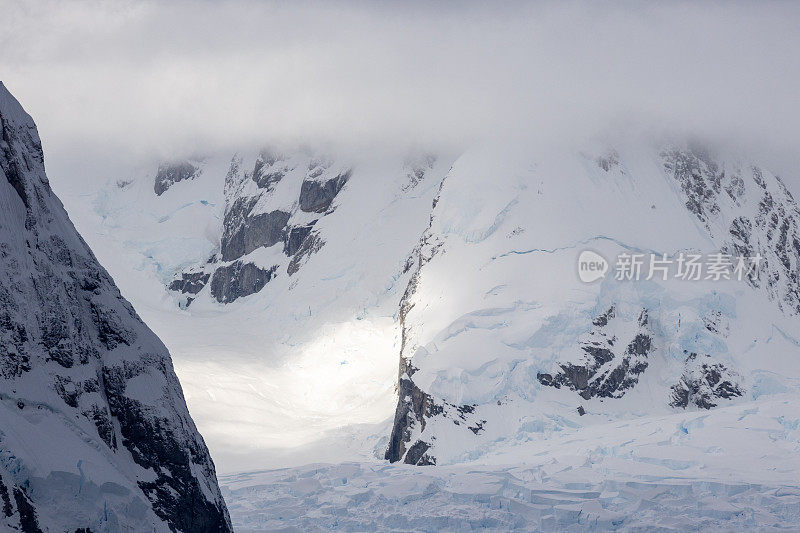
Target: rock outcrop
{"x":169,"y":174}
{"x":749,"y":211}
{"x":415,"y":407}
{"x":316,"y":196}
{"x":244,"y":231}
{"x":704,"y":383}
{"x":239,"y":279}
{"x":278,"y":202}
{"x":607,"y":365}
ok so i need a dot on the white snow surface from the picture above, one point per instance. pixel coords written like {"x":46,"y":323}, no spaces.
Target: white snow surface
{"x":730,"y":469}
{"x":270,"y":377}
{"x":304,"y":371}
{"x":499,"y":301}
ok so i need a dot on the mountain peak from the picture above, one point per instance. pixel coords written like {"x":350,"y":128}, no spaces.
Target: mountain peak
{"x":11,"y":110}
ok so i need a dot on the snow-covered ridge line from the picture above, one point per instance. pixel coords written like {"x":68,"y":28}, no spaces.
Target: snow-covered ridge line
{"x":485,"y":318}
{"x":94,"y":431}
{"x":694,"y":347}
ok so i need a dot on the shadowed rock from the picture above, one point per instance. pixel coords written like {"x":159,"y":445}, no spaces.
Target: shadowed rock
{"x":266,"y":172}
{"x":190,"y":282}
{"x":244,"y":232}
{"x":169,"y":174}
{"x":311,"y":244}
{"x":239,"y":279}
{"x":602,"y":370}
{"x":703,"y":383}
{"x":317,"y":196}
{"x":295,"y":236}
{"x":76,"y":358}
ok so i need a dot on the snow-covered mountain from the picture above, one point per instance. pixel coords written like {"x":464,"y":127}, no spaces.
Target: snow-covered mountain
{"x":94,"y":431}
{"x":263,"y":209}
{"x":502,"y":341}
{"x":274,"y":278}
{"x":306,"y":275}
{"x":464,"y":267}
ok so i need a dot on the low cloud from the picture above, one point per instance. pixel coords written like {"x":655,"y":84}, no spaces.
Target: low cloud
{"x":155,"y":79}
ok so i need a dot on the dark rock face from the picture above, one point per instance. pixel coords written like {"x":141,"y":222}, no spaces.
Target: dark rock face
{"x":700,"y":178}
{"x":190,"y":282}
{"x":266,"y":172}
{"x":413,"y":408}
{"x":175,"y":492}
{"x":718,"y":195}
{"x":311,"y":244}
{"x":317,"y":196}
{"x":247,"y":226}
{"x":775,"y":233}
{"x":703,"y":383}
{"x":416,"y":407}
{"x":605,"y":369}
{"x":169,"y":174}
{"x":244,"y":232}
{"x":239,"y":279}
{"x":416,"y":455}
{"x":27,"y":513}
{"x":413,"y":404}
{"x":295,"y":236}
{"x":75,"y":356}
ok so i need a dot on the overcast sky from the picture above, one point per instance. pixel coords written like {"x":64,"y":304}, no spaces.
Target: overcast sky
{"x":145,"y":78}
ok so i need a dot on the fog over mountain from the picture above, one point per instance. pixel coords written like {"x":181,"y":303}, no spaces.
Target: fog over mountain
{"x":160,"y":78}
{"x":358,"y":230}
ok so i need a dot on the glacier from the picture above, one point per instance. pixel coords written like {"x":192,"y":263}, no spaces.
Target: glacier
{"x":544,"y":402}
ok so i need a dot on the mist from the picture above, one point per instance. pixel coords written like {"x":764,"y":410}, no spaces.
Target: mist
{"x":108,"y":82}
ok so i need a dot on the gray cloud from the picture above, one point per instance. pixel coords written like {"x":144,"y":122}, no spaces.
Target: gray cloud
{"x":144,"y":78}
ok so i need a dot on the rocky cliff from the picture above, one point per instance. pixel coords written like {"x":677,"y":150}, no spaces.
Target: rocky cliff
{"x":277,"y":202}
{"x":94,"y":431}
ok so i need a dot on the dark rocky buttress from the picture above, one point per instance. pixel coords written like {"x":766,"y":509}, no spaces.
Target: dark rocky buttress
{"x":409,"y":441}
{"x":237,"y":279}
{"x":247,"y":227}
{"x":704,"y":382}
{"x":606,"y":366}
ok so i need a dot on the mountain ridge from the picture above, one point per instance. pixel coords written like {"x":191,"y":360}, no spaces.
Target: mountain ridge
{"x":95,"y":434}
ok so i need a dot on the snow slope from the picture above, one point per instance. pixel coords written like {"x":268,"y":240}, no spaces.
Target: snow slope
{"x":515,"y":343}
{"x":276,"y":376}
{"x":680,"y":472}
{"x":495,"y":303}
{"x":94,"y":431}
{"x":489,"y":302}
{"x":669,"y":402}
